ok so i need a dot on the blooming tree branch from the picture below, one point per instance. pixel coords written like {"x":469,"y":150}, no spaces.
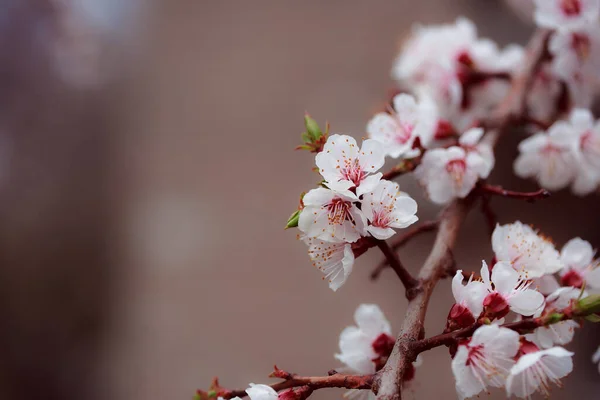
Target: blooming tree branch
{"x":388,"y":383}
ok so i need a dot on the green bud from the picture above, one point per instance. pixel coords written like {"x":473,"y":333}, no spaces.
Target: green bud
{"x":306,"y":137}
{"x":293,"y":220}
{"x":588,"y":305}
{"x":212,"y":393}
{"x":312,"y":128}
{"x":554,"y":318}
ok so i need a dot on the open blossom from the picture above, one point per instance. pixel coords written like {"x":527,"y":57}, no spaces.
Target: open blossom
{"x":548,"y":157}
{"x":485,"y":360}
{"x":586,"y":149}
{"x":562,"y":332}
{"x":529,"y":254}
{"x":362,"y":345}
{"x":566,"y":14}
{"x":331,"y":216}
{"x":335,"y":260}
{"x":507,"y":290}
{"x":386,"y":208}
{"x":344,"y":166}
{"x":453,"y":172}
{"x":469,"y":301}
{"x":409,"y":120}
{"x":580,"y":266}
{"x":261,"y":392}
{"x":536,"y":371}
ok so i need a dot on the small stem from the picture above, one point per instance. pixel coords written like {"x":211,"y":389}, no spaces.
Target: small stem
{"x":411,"y":233}
{"x":527,"y":196}
{"x":407,"y":280}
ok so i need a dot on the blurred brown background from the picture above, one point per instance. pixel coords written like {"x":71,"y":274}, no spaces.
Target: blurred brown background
{"x":146,"y":179}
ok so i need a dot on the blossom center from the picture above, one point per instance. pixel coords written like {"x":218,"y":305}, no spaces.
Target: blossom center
{"x":338,"y":211}
{"x":495,"y":305}
{"x":571,"y":7}
{"x":572,"y":278}
{"x":352,"y":171}
{"x":381,"y":216}
{"x":456,"y":169}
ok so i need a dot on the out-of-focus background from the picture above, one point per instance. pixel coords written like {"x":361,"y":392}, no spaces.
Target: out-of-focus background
{"x":146,"y":172}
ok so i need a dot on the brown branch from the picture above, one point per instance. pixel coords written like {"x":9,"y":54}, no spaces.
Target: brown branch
{"x":412,"y":232}
{"x":313,"y":382}
{"x":388,"y":381}
{"x":408,"y":281}
{"x":527,"y":196}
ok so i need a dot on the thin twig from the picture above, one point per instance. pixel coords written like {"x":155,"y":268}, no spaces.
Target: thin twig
{"x":407,"y":280}
{"x":388,"y":381}
{"x":511,"y":194}
{"x":403,"y":239}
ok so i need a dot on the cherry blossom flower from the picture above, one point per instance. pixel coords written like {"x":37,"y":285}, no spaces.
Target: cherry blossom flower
{"x":335,"y":260}
{"x":398,"y":130}
{"x":548,"y":157}
{"x":362,"y":345}
{"x":562,"y":332}
{"x":507,"y":290}
{"x":469,"y":301}
{"x":261,"y":392}
{"x":453,"y":172}
{"x":485,"y":360}
{"x":596,"y":358}
{"x":580,"y":266}
{"x":386,"y":208}
{"x":566,"y":14}
{"x":331,"y":216}
{"x":586,"y":147}
{"x":537,"y":370}
{"x":345,"y":166}
{"x":528,"y":253}
{"x":544,"y":97}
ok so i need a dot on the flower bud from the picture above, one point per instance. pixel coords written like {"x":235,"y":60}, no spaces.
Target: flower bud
{"x":299,"y":393}
{"x":588,"y":305}
{"x":312,"y":128}
{"x":459,"y":317}
{"x":292,"y":221}
{"x":495,"y":306}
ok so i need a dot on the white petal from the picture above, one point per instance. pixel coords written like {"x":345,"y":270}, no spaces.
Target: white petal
{"x":467,"y":383}
{"x":380,"y":233}
{"x":261,"y":392}
{"x":471,"y":137}
{"x":526,"y":302}
{"x":370,"y":319}
{"x":372,"y":155}
{"x":368,"y":184}
{"x":504,"y":277}
{"x":503,"y":341}
{"x":577,"y":253}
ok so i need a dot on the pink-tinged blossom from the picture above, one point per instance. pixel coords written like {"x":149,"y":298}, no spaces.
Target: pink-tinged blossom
{"x":586,"y":148}
{"x":346,"y":166}
{"x":386,"y":208}
{"x":548,"y":157}
{"x":363,"y":344}
{"x":453,"y":172}
{"x":506,"y":290}
{"x":331,"y":217}
{"x":408,"y":120}
{"x":529,"y":254}
{"x":537,"y":371}
{"x":485,"y":360}
{"x":335,"y":260}
{"x":580,"y":266}
{"x":560,"y":333}
{"x":261,"y":392}
{"x":468,"y":301}
{"x":596,"y":358}
{"x":566,"y":14}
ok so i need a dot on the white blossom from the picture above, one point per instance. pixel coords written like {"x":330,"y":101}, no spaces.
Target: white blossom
{"x":528,"y":253}
{"x":453,"y":172}
{"x":562,"y":332}
{"x":386,"y":208}
{"x":586,"y":147}
{"x":580,"y":266}
{"x":548,"y":157}
{"x":261,"y":392}
{"x":470,"y":295}
{"x":485,"y":360}
{"x":356,"y":343}
{"x":335,"y":260}
{"x":536,"y":371}
{"x":566,"y":14}
{"x":331,"y":216}
{"x":408,"y":120}
{"x":506,"y":283}
{"x":344,"y":166}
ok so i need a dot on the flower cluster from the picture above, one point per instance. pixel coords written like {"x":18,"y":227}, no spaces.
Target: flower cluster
{"x":352,"y":202}
{"x":463,"y":75}
{"x":499,"y":357}
{"x":574,"y":50}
